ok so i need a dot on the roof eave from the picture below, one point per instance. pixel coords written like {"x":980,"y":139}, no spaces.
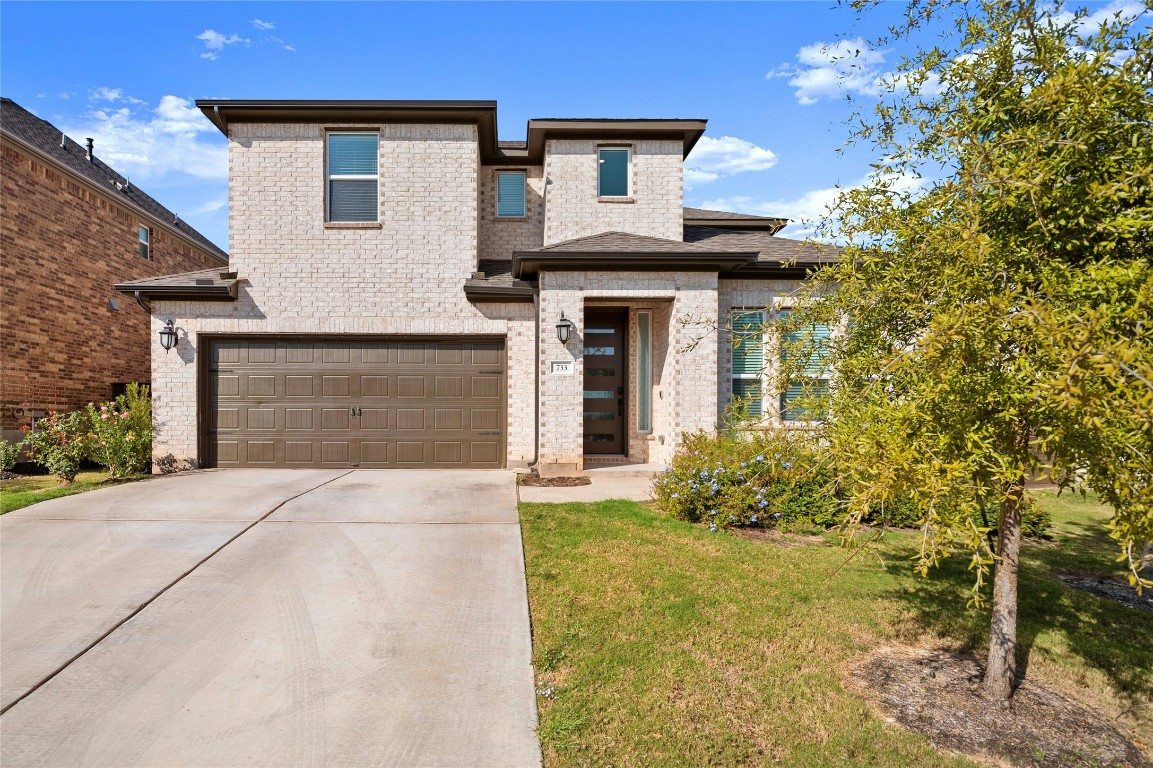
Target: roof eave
{"x":771,"y":225}
{"x":529,"y":263}
{"x":477,"y":292}
{"x":221,"y":292}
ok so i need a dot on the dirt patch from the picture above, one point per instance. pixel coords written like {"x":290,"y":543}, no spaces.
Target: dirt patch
{"x":6,"y":475}
{"x":773,"y":536}
{"x":1110,"y":590}
{"x":554,"y":482}
{"x":938,"y":693}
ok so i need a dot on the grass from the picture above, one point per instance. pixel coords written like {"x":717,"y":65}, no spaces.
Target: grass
{"x":667,"y":645}
{"x":30,"y":489}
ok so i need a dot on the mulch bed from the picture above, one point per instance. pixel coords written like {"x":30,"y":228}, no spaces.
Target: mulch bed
{"x":5,"y":475}
{"x":554,"y":482}
{"x":938,"y":693}
{"x":1111,"y":590}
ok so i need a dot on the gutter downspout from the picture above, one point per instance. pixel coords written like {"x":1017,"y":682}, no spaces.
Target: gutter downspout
{"x":143,"y":302}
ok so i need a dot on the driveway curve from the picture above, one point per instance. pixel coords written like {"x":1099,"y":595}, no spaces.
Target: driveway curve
{"x":269,"y":618}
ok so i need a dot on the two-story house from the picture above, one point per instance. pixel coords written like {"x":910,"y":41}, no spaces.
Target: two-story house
{"x":406,"y":290}
{"x":70,"y":228}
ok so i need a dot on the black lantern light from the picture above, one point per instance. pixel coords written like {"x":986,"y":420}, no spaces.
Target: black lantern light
{"x":168,"y":336}
{"x":563,"y":326}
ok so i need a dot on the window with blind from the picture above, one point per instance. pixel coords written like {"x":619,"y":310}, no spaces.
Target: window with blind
{"x":748,"y":345}
{"x":811,"y":342}
{"x":510,"y":195}
{"x":353,"y":182}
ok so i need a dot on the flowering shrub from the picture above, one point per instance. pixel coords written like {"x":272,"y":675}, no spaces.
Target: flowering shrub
{"x":59,"y":442}
{"x":120,"y":436}
{"x":748,"y":479}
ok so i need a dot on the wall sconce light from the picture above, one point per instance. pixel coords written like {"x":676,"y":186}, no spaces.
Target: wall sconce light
{"x":563,"y":326}
{"x":168,"y":336}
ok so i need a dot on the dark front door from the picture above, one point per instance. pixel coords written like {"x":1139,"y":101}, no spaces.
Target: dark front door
{"x":604,"y":371}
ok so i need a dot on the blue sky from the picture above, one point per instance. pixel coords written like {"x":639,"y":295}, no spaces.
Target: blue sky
{"x":761,"y":73}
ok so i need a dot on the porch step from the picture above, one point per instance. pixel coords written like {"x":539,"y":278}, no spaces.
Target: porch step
{"x":595,"y":469}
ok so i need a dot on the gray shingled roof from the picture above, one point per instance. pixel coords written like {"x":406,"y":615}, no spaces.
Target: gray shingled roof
{"x":183,"y":279}
{"x":45,"y":138}
{"x":770,"y":247}
{"x":206,"y":284}
{"x":621,"y":242}
{"x":704,"y":213}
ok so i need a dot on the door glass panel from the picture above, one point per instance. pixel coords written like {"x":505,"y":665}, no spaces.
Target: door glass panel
{"x":598,"y":394}
{"x":600,"y":371}
{"x":599,"y":330}
{"x":600,"y":350}
{"x":599,"y":415}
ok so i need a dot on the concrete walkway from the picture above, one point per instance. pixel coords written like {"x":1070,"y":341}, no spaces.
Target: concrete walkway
{"x":620,"y":481}
{"x":269,"y":618}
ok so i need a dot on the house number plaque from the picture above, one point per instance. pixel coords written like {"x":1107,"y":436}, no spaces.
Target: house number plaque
{"x":558,"y":368}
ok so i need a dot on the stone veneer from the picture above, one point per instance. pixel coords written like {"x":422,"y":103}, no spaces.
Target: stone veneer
{"x":401,"y":276}
{"x":573,"y":210}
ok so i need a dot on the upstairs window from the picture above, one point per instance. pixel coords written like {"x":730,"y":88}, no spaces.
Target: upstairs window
{"x":145,"y":243}
{"x":510,"y":195}
{"x":352,"y":177}
{"x":613,"y":171}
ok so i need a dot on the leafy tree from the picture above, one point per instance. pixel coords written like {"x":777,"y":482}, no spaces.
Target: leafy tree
{"x":996,"y":297}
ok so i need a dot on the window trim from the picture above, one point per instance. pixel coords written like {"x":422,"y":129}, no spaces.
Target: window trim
{"x":329,"y":178}
{"x":144,"y":241}
{"x":629,"y":152}
{"x":645,"y":351}
{"x":524,"y":194}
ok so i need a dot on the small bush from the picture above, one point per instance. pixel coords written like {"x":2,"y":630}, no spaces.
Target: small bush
{"x":903,"y":512}
{"x":59,"y":442}
{"x":120,"y":436}
{"x":9,"y":455}
{"x":759,"y":479}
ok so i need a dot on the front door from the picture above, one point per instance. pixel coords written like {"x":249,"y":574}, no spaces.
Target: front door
{"x":604,"y":376}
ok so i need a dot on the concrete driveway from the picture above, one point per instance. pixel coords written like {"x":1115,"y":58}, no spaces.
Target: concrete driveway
{"x":269,"y":618}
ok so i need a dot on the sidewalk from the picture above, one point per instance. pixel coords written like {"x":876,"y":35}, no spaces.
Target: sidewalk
{"x":619,"y":481}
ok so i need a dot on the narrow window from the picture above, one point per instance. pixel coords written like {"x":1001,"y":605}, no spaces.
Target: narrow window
{"x":352,"y":177}
{"x":644,"y":371}
{"x":748,"y":341}
{"x":613,"y":171}
{"x":144,"y":245}
{"x":813,"y":378}
{"x":510,"y":194}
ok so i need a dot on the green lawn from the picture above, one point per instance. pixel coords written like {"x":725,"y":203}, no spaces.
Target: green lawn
{"x":664,"y":644}
{"x":29,"y":489}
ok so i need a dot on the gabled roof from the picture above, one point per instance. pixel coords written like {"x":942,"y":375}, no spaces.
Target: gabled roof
{"x":201,"y":285}
{"x":625,"y":251}
{"x":702,"y":217}
{"x":45,"y":140}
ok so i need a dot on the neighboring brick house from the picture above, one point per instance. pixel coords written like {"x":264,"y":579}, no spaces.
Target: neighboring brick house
{"x":70,"y":228}
{"x":400,"y":278}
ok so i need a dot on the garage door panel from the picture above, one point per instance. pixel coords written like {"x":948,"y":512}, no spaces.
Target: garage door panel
{"x":301,"y":402}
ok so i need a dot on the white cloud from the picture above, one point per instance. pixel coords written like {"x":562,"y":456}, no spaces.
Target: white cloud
{"x":152,"y":144}
{"x":263,"y":25}
{"x":712,"y":159}
{"x":111,"y":94}
{"x":1127,"y":10}
{"x":215,"y":42}
{"x":828,"y":70}
{"x":212,"y":206}
{"x":806,"y":210}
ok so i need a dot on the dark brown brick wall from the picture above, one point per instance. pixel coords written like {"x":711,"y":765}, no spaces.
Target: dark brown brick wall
{"x":62,"y":248}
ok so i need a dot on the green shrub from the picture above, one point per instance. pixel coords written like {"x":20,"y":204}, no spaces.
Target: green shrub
{"x":120,"y":436}
{"x":59,"y":442}
{"x":757,"y":478}
{"x":9,"y":455}
{"x":903,"y":512}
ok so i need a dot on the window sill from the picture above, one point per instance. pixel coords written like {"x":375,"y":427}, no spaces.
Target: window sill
{"x":616,"y":200}
{"x":511,"y":218}
{"x":352,"y":225}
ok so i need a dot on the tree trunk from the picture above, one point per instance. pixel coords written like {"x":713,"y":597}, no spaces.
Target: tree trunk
{"x":1001,"y":672}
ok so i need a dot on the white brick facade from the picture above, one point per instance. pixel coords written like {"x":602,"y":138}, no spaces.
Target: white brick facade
{"x":573,"y":210}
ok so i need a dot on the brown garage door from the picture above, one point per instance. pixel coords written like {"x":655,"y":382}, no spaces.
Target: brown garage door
{"x":374,"y":403}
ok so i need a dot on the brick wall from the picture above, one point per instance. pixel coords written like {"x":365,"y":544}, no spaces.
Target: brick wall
{"x":573,"y":210}
{"x":500,"y":237}
{"x":403,"y":276}
{"x":684,"y":365}
{"x":62,"y":248}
